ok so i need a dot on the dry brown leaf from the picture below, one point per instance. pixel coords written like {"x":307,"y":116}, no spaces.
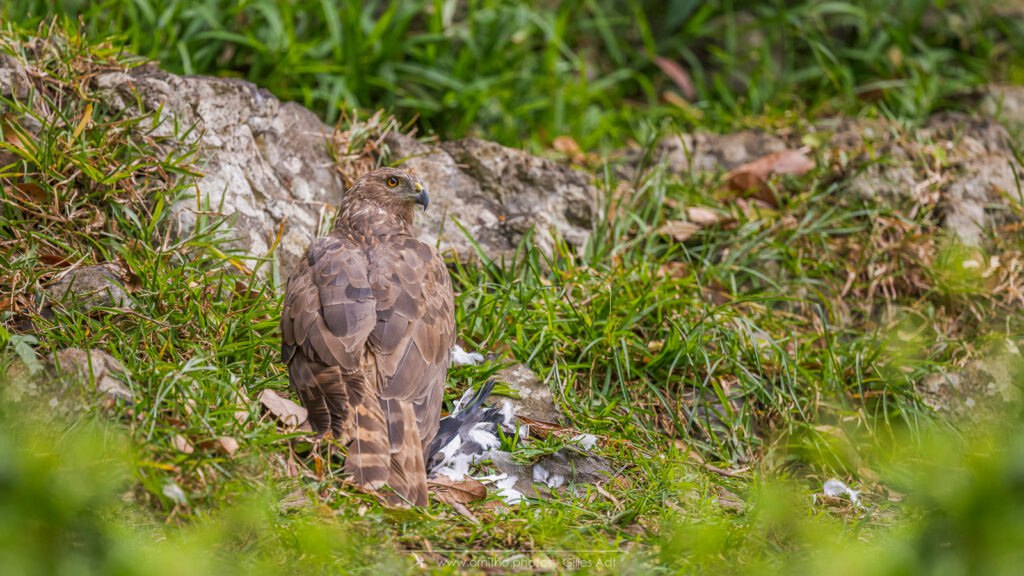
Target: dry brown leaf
{"x":182,"y":445}
{"x":54,"y":260}
{"x":290,"y":414}
{"x":241,"y":400}
{"x":679,"y":231}
{"x":228,"y":445}
{"x":495,"y":506}
{"x":755,"y":175}
{"x":12,"y":134}
{"x":609,"y":496}
{"x":674,"y":270}
{"x":463,"y":511}
{"x":678,"y":101}
{"x":679,"y":76}
{"x":541,"y":429}
{"x":465,"y":490}
{"x":33,"y":191}
{"x":457,"y":493}
{"x":565,"y":144}
{"x":702,"y":216}
{"x":622,"y":484}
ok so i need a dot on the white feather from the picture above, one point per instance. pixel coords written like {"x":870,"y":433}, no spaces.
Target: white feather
{"x":462,"y":358}
{"x":834,"y":487}
{"x":505,"y":483}
{"x":585,"y":441}
{"x":486,"y":439}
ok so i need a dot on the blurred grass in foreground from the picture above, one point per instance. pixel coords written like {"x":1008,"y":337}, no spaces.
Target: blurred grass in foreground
{"x":961,"y":512}
{"x":63,"y":489}
{"x":66,"y":508}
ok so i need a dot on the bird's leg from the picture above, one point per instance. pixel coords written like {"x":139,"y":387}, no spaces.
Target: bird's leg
{"x":318,"y":463}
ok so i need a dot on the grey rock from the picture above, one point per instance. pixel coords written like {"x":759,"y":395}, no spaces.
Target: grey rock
{"x":885,"y":161}
{"x":14,"y":80}
{"x":535,"y":399}
{"x":87,"y":288}
{"x":93,"y":370}
{"x":704,"y":152}
{"x":498,"y":195}
{"x":981,"y":387}
{"x":265,"y":162}
{"x":983,"y":165}
{"x":73,"y":376}
{"x":1005,"y":102}
{"x":893,"y":164}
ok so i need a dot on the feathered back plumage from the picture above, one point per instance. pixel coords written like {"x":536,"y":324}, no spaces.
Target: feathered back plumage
{"x":367,"y":328}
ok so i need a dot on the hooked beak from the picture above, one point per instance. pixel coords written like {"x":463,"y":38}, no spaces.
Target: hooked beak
{"x":422,"y":198}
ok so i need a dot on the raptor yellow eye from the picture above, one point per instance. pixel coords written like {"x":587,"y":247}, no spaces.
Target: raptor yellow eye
{"x":393,"y":182}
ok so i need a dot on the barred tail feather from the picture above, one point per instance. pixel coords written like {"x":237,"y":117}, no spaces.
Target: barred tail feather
{"x":369,"y":450}
{"x":408,"y":475}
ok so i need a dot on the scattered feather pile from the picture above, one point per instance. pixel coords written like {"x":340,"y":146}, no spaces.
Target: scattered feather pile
{"x":472,"y":436}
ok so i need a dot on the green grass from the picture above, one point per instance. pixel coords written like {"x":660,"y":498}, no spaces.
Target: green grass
{"x":746,"y":347}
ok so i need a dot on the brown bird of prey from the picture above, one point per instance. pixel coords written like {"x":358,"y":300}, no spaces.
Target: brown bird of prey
{"x":367,"y":329}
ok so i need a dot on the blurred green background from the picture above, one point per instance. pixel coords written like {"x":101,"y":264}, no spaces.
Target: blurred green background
{"x":531,"y":71}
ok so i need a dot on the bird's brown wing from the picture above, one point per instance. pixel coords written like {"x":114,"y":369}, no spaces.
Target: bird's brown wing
{"x":328,"y":313}
{"x":398,"y":301}
{"x":415,"y":328}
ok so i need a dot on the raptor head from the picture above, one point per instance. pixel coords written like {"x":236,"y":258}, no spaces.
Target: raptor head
{"x":395,"y":191}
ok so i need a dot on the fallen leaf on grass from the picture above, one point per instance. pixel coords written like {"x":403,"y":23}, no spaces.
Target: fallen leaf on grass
{"x":457,"y":493}
{"x":688,"y":450}
{"x":567,"y":145}
{"x":541,"y":429}
{"x":182,"y":445}
{"x":34,"y":192}
{"x":609,"y":496}
{"x":55,"y":260}
{"x":679,"y":231}
{"x":702,"y":216}
{"x":290,"y":414}
{"x":241,"y":401}
{"x":755,"y":175}
{"x":678,"y":75}
{"x":16,"y":135}
{"x":228,"y":445}
{"x":674,"y":270}
{"x":448,"y":490}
